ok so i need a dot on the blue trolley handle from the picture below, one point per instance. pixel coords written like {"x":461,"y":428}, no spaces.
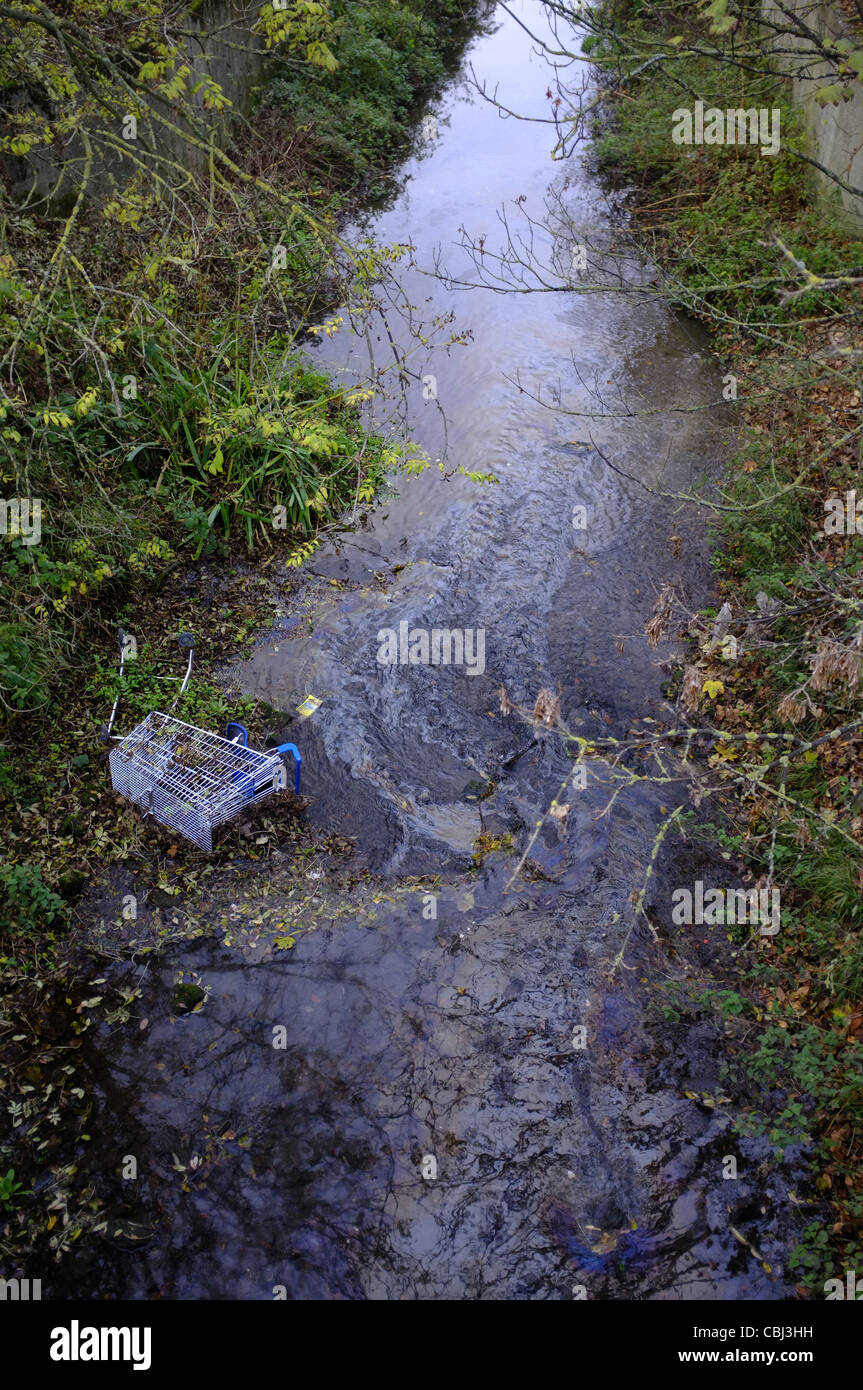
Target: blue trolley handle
{"x":242,"y":737}
{"x":298,"y":762}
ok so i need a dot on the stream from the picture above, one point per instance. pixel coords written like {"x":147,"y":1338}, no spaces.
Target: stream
{"x":397,"y":1108}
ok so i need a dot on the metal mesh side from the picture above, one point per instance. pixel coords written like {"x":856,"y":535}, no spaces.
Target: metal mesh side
{"x":164,"y":805}
{"x":190,"y":779}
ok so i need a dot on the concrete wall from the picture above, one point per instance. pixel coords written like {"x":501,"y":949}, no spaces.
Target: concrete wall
{"x":834,"y":133}
{"x":225,"y":51}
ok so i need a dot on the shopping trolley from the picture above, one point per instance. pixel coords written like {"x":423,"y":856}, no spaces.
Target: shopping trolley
{"x":188,"y":778}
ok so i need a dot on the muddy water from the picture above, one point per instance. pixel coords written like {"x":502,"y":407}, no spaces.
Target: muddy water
{"x":427,"y":1129}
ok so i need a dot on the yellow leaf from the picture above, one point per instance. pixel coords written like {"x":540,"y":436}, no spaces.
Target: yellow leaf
{"x":712,"y":689}
{"x":724,"y":753}
{"x":319,"y":54}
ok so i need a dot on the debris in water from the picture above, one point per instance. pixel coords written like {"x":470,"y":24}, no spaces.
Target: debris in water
{"x":547,"y":708}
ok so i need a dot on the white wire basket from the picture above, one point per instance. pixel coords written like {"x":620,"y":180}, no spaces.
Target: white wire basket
{"x":191,"y":780}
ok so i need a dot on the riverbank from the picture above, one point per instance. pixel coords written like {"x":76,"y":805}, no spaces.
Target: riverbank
{"x":772,"y":680}
{"x":183,"y":444}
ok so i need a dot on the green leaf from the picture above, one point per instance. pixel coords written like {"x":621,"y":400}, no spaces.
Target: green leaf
{"x":720,"y":21}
